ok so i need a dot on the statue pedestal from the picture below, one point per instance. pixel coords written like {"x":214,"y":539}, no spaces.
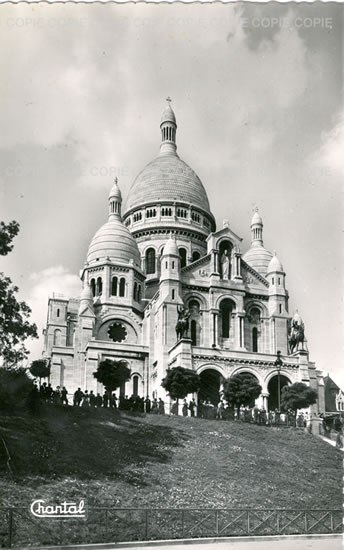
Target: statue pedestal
{"x":181,"y":352}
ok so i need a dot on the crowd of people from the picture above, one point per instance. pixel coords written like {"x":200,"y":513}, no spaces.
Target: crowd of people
{"x":204,"y":409}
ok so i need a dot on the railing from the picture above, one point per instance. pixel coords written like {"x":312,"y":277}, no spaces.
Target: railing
{"x":18,"y":527}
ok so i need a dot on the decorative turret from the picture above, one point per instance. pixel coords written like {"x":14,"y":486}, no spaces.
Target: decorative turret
{"x":86,"y":298}
{"x":170,"y":260}
{"x":257,"y":256}
{"x":278,"y":296}
{"x":168,"y":126}
{"x":113,"y":241}
{"x":170,"y":270}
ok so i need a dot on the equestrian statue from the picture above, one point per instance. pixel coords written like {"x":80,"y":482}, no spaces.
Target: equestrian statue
{"x":182,"y":325}
{"x":296,"y":334}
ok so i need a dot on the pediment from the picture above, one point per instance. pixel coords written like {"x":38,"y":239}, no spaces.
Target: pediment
{"x":251,"y":277}
{"x":199,"y":269}
{"x":87,"y":312}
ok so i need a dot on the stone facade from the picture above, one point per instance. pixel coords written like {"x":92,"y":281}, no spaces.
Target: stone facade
{"x":163,"y":253}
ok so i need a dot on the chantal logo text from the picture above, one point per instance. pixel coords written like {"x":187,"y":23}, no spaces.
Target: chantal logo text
{"x":64,"y":510}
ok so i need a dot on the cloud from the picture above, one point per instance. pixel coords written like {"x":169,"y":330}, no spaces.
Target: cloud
{"x":331,"y":153}
{"x":45,"y":283}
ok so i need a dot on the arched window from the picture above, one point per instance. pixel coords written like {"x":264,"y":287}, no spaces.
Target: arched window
{"x":93,"y":287}
{"x":194,"y":307}
{"x":255,"y":315}
{"x":280,"y":308}
{"x":99,"y":286}
{"x":226,"y":308}
{"x":195,"y":255}
{"x":194,"y":332}
{"x":135,"y":385}
{"x":182,"y":255}
{"x":114,"y":286}
{"x":135,"y":292}
{"x":150,"y":261}
{"x":173,"y":293}
{"x":57,"y":337}
{"x":254,"y":339}
{"x":58,"y":312}
{"x":122,"y":287}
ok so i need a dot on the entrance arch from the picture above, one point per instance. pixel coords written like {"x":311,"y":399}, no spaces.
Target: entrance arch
{"x":211,"y":381}
{"x":273,"y":390}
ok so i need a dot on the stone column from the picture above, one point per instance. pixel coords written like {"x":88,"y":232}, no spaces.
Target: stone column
{"x":215,"y":329}
{"x":216,"y":262}
{"x":241,"y":331}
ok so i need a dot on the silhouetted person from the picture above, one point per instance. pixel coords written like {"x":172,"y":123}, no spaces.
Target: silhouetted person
{"x":78,"y":395}
{"x":93,"y":399}
{"x":106,"y":400}
{"x":114,"y":401}
{"x":185,"y":408}
{"x":161,"y":406}
{"x":86,"y":399}
{"x":99,"y":400}
{"x":192,"y":407}
{"x":64,"y":396}
{"x":154,"y":409}
{"x":147,"y":405}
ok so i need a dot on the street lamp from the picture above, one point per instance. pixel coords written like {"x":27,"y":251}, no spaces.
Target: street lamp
{"x":278,"y":365}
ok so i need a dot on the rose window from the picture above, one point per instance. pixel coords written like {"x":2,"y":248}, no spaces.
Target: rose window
{"x":117,"y":332}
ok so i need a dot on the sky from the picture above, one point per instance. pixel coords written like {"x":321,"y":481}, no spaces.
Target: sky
{"x":258,"y":95}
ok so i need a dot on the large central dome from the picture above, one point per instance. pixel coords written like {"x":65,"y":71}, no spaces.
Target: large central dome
{"x":167,"y":178}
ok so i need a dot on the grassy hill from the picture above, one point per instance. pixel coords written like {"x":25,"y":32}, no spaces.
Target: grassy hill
{"x":116,"y":459}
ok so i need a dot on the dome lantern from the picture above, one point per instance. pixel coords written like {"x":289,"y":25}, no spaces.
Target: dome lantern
{"x":257,"y":228}
{"x":257,"y":256}
{"x":168,"y":127}
{"x":115,"y":200}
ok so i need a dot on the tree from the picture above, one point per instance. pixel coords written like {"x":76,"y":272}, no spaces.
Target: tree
{"x":241,"y":389}
{"x":40,"y":369}
{"x":298,"y":396}
{"x":15,"y":327}
{"x":112,"y":374}
{"x":15,"y":388}
{"x":179,"y":382}
{"x":7,"y":234}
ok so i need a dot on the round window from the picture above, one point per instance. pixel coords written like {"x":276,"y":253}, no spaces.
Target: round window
{"x":117,"y":332}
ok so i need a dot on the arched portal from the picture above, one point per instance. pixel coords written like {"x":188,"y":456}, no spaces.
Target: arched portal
{"x":211,"y":381}
{"x":273,"y":390}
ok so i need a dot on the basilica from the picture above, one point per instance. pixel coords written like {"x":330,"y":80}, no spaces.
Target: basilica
{"x":158,"y":258}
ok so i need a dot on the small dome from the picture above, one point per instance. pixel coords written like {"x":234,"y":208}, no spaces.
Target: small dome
{"x":168,"y":115}
{"x":258,"y":258}
{"x":275,"y":265}
{"x":256,"y":219}
{"x":170,"y":248}
{"x":114,"y":241}
{"x":86,"y":293}
{"x":115,"y":192}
